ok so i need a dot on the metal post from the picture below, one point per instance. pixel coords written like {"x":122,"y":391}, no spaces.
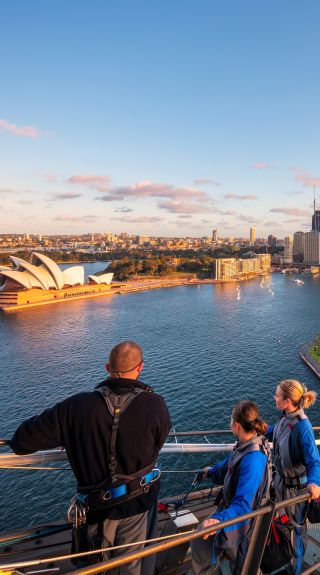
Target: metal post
{"x":258,"y":541}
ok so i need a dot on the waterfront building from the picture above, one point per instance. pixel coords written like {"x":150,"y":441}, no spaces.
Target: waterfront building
{"x":298,"y":247}
{"x":236,"y":268}
{"x":288,"y":250}
{"x":312,"y":248}
{"x":316,"y":221}
{"x":272,"y":241}
{"x":226,"y":268}
{"x":252,"y":235}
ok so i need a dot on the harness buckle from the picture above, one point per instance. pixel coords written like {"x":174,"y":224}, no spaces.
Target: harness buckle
{"x":158,"y":473}
{"x":106,"y":496}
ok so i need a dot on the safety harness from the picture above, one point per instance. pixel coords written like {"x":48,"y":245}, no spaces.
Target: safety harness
{"x":235,"y":540}
{"x":292,"y":475}
{"x":258,"y":443}
{"x":131,"y":485}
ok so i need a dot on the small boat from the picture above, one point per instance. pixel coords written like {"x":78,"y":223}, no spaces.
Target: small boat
{"x":299,"y":282}
{"x":314,"y":270}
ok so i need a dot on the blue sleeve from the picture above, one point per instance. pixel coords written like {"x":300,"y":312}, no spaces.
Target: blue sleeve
{"x":309,"y":451}
{"x":218,"y":472}
{"x":252,"y":468}
{"x":269,"y":433}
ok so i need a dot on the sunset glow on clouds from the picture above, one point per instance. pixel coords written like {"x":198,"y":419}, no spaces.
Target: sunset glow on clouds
{"x":23,"y":131}
{"x":126,"y":132}
{"x":305,"y":178}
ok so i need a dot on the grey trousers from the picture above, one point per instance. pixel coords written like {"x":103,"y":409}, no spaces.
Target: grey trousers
{"x":119,"y":532}
{"x":201,"y":551}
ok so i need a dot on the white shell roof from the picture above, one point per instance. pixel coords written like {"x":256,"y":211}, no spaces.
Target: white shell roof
{"x":45,"y":274}
{"x":73,"y":275}
{"x":42,"y":275}
{"x":24,"y":278}
{"x":51,"y":267}
{"x":101,"y":279}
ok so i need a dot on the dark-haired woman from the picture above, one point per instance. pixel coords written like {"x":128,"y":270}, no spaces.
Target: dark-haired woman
{"x":296,"y":460}
{"x":245,"y":475}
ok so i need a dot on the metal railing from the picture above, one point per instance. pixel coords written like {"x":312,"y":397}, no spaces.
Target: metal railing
{"x":264,"y":517}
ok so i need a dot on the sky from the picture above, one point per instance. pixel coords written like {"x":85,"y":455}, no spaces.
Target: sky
{"x":159,"y":117}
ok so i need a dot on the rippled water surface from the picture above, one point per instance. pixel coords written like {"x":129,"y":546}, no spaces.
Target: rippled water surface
{"x":203,"y":348}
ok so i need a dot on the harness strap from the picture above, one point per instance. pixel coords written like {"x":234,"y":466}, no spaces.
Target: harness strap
{"x":135,"y":475}
{"x":113,"y":457}
{"x":116,"y":405}
{"x":124,"y":489}
{"x":290,"y":424}
{"x":299,"y":482}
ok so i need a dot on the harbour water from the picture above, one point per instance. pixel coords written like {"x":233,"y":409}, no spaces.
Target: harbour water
{"x":205,"y":347}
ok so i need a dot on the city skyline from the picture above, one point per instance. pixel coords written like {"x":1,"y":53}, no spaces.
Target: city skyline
{"x":158,"y":119}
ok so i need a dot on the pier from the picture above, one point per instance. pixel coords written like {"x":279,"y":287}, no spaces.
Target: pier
{"x":308,"y":359}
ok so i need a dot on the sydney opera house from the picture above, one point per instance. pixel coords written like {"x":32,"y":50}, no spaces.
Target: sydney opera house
{"x":42,"y":281}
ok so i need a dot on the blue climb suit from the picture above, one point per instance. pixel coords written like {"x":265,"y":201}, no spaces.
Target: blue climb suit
{"x":245,"y":476}
{"x":297,"y":464}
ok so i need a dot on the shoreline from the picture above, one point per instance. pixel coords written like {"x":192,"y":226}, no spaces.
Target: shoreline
{"x":131,"y":286}
{"x":308,"y":359}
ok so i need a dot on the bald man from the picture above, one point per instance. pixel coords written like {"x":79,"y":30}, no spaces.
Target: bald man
{"x":112,"y":437}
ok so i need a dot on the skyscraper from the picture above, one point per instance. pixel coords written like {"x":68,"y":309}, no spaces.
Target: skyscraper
{"x":316,"y":221}
{"x":312,"y":248}
{"x":288,"y":250}
{"x":272,"y":241}
{"x":298,"y":247}
{"x":214,"y":236}
{"x":252,"y":235}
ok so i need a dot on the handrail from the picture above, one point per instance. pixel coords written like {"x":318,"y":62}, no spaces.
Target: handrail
{"x":184,"y":433}
{"x":128,"y":558}
{"x":213,"y":432}
{"x":181,"y":538}
{"x":205,"y":432}
{"x":255,"y":550}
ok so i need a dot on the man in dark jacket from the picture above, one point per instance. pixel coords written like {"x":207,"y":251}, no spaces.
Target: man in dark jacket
{"x":112,"y":437}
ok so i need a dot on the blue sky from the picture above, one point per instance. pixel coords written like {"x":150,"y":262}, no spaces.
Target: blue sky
{"x":166,"y":117}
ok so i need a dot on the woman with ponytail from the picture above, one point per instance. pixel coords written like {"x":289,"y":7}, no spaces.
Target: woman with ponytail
{"x":296,"y":460}
{"x":245,"y":475}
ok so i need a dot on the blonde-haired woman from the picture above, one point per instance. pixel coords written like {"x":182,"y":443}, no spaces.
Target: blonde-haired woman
{"x":296,"y":459}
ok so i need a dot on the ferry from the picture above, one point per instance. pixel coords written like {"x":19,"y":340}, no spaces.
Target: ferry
{"x":46,"y":549}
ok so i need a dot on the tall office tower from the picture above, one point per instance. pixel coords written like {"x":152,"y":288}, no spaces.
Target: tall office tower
{"x":39,"y":237}
{"x":312,"y":248}
{"x":288,"y":250}
{"x":252,"y":235}
{"x":298,"y":247}
{"x":272,"y":241}
{"x":316,"y":221}
{"x":214,"y":236}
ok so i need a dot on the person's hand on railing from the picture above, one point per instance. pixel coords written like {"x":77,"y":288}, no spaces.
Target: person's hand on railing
{"x":314,"y":491}
{"x":206,"y":471}
{"x":207,"y":523}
